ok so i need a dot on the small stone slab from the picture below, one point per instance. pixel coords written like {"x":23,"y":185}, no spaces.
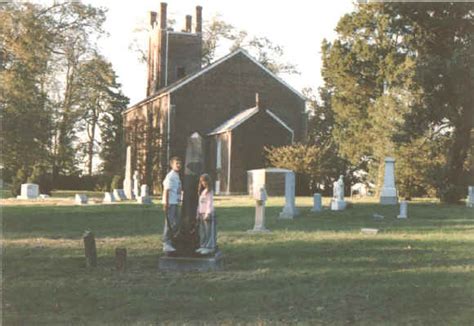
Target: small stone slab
{"x":119,"y":195}
{"x":191,"y":264}
{"x":369,"y":231}
{"x":144,"y":200}
{"x":80,"y":199}
{"x":108,"y":198}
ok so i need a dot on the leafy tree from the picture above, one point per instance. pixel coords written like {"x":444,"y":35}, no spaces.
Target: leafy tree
{"x":76,"y":27}
{"x":99,"y":94}
{"x":25,"y":111}
{"x":400,"y":76}
{"x":443,"y":38}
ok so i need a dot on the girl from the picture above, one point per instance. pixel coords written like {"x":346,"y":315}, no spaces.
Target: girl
{"x":205,"y":217}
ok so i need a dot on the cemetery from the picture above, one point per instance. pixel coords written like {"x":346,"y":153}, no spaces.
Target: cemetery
{"x":226,"y":195}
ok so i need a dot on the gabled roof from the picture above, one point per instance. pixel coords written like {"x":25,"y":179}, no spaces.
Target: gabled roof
{"x":187,"y":79}
{"x":234,"y":121}
{"x":243,"y":116}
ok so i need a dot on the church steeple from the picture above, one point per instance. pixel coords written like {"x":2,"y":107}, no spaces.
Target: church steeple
{"x":172,"y":55}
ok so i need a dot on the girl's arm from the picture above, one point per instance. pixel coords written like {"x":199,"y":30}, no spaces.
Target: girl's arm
{"x":210,"y":203}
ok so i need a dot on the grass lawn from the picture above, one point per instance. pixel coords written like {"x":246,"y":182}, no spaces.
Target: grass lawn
{"x":317,"y":269}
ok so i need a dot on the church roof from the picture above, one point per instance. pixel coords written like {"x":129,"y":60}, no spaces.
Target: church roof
{"x":243,"y":116}
{"x":185,"y":80}
{"x":234,"y":121}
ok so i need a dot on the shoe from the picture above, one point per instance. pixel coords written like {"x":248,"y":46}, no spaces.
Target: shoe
{"x":206,"y":251}
{"x":168,"y":248}
{"x":199,"y":250}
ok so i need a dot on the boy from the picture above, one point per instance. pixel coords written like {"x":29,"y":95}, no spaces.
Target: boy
{"x":171,"y":199}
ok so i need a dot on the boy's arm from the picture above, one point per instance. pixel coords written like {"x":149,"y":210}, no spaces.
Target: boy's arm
{"x":166,"y":197}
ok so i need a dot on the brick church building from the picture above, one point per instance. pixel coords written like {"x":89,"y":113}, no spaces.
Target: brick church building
{"x":236,"y":104}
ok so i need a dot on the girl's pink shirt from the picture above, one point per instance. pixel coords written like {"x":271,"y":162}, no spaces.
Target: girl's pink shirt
{"x":206,"y":205}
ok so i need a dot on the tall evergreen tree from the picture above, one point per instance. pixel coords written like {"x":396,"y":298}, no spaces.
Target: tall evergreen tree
{"x":25,"y":37}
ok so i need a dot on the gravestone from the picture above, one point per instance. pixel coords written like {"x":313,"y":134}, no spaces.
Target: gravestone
{"x":337,"y":202}
{"x":289,"y":211}
{"x":108,"y":198}
{"x":260,"y":197}
{"x":136,"y":184}
{"x":128,"y":182}
{"x":90,"y":249}
{"x":273,"y":179}
{"x":121,"y":259}
{"x":43,"y":196}
{"x":317,"y":203}
{"x":470,"y":197}
{"x":403,"y":209}
{"x":369,"y":231}
{"x":29,"y":191}
{"x":187,"y":241}
{"x":144,"y":198}
{"x":119,"y":195}
{"x":81,"y":199}
{"x":388,"y":194}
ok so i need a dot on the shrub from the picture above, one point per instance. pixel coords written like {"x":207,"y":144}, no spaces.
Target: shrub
{"x":117,"y":182}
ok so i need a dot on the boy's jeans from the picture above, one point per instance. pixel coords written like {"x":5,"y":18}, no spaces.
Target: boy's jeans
{"x":172,"y":223}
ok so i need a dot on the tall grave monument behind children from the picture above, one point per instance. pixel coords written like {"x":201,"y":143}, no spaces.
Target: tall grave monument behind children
{"x":187,"y":241}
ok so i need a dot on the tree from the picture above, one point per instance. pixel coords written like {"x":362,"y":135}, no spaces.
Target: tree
{"x":76,"y":26}
{"x":99,"y":94}
{"x":113,"y":148}
{"x":443,"y":40}
{"x":412,"y":64}
{"x":25,"y":110}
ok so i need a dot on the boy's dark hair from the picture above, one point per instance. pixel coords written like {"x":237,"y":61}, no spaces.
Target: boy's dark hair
{"x":175,"y":159}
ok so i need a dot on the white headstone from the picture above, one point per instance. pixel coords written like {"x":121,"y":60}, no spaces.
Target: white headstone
{"x":119,"y":195}
{"x":403,"y":209}
{"x":388,"y":194}
{"x":144,"y":190}
{"x":136,"y":184}
{"x":470,"y":197}
{"x":29,"y":191}
{"x":145,"y":195}
{"x":338,"y":203}
{"x":108,"y":197}
{"x":128,"y":182}
{"x":289,"y":211}
{"x":260,"y":197}
{"x":317,"y":203}
{"x":43,"y":196}
{"x":81,"y":199}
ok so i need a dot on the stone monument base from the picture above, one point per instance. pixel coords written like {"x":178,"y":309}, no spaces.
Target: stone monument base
{"x":192,"y":264}
{"x":258,"y":230}
{"x":388,"y":200}
{"x":288,"y":213}
{"x":338,"y":205}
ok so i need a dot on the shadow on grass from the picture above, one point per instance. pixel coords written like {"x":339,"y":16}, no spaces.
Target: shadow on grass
{"x":69,"y":222}
{"x":330,"y":281}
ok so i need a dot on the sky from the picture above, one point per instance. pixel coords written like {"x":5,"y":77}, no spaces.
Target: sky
{"x":297,"y":25}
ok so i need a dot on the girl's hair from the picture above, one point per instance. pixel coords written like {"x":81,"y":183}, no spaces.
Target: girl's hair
{"x":204,"y":177}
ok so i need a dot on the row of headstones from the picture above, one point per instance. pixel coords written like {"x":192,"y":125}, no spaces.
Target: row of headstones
{"x":142,"y":197}
{"x":260,"y":197}
{"x":318,"y":206}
